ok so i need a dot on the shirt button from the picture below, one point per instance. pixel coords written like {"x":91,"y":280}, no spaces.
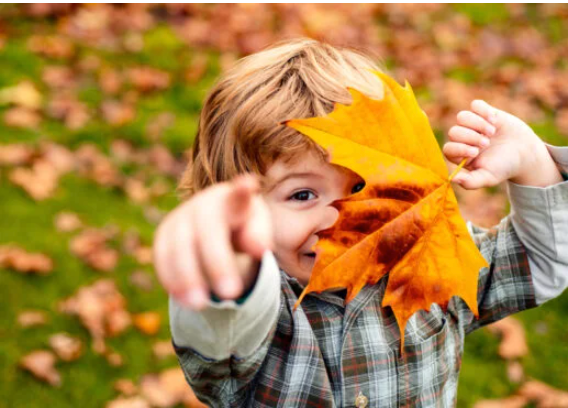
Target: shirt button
{"x":361,"y":401}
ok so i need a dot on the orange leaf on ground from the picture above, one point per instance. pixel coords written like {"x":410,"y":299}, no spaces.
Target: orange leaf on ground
{"x":148,"y":322}
{"x":405,"y":221}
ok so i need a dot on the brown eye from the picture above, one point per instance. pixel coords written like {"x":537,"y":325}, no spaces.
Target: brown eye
{"x":358,"y":187}
{"x":303,"y":195}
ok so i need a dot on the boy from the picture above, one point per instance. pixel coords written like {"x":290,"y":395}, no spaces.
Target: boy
{"x":245,"y":242}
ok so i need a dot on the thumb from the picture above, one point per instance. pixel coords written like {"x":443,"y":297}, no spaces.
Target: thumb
{"x":475,"y":179}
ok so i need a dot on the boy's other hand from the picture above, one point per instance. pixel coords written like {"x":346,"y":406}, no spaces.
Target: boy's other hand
{"x":498,"y":146}
{"x":214,"y":241}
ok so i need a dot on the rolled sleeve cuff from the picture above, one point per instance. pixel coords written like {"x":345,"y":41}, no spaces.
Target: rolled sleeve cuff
{"x":540,"y":218}
{"x":226,"y":328}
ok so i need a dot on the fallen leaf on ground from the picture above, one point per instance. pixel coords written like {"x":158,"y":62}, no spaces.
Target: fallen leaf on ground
{"x":67,"y":348}
{"x":32,"y":318}
{"x":163,"y":349}
{"x":91,"y":247}
{"x":66,"y":221}
{"x":40,"y":181}
{"x":16,"y":154}
{"x":125,"y":387}
{"x":405,"y":221}
{"x":148,"y":322}
{"x":23,"y":94}
{"x":101,"y":309}
{"x":18,"y":259}
{"x":148,"y":79}
{"x":131,"y":402}
{"x":22,"y":118}
{"x":42,"y":365}
{"x":513,"y":341}
{"x":142,"y":280}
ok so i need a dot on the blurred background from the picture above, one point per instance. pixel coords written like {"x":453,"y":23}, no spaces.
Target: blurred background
{"x":98,"y":107}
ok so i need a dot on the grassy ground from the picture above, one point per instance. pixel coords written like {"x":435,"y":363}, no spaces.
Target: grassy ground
{"x":88,"y":381}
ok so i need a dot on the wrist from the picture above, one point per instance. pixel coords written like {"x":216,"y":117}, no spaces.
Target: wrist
{"x":536,"y":167}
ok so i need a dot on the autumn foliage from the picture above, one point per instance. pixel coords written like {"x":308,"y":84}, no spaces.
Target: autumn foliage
{"x":406,"y":221}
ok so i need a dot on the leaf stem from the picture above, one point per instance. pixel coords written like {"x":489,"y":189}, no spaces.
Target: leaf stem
{"x":457,"y":170}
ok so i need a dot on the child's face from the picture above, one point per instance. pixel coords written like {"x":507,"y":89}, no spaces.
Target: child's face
{"x":298,"y":196}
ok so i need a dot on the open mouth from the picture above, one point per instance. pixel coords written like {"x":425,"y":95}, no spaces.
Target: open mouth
{"x":311,"y":254}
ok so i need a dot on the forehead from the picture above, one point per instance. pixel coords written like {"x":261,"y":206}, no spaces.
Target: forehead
{"x":304,"y":165}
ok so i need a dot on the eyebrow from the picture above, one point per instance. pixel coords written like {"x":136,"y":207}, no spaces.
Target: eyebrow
{"x":270,"y":186}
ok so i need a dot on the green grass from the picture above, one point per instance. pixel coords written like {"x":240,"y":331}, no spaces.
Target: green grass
{"x":88,"y":381}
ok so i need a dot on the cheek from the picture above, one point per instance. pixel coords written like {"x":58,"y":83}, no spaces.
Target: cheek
{"x":291,"y":230}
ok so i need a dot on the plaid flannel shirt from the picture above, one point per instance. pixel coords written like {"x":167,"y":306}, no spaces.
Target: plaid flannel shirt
{"x":326,"y":354}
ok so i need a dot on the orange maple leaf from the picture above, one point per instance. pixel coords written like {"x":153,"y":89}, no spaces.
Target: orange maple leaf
{"x":405,"y":221}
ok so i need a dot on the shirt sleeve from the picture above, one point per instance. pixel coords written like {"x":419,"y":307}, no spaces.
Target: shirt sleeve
{"x":540,"y":218}
{"x":527,"y":251}
{"x":221,"y":348}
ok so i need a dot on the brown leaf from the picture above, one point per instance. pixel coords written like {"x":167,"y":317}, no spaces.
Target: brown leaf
{"x":163,"y":349}
{"x":96,"y":166}
{"x":66,"y":221}
{"x":32,"y":318}
{"x":148,"y":322}
{"x":513,"y":341}
{"x":57,"y":76}
{"x":114,"y":359}
{"x":110,"y":81}
{"x":91,"y":247}
{"x":101,"y":309}
{"x":40,"y":181}
{"x":136,"y":190}
{"x":142,"y":280}
{"x":131,"y":402}
{"x":22,"y":118}
{"x":148,"y":79}
{"x":125,"y":387}
{"x":16,"y":154}
{"x":18,"y":259}
{"x":66,"y":107}
{"x":66,"y":347}
{"x":51,"y":46}
{"x":42,"y":365}
{"x":117,"y":113}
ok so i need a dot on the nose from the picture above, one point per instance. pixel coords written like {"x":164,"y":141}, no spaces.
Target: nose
{"x":328,"y":218}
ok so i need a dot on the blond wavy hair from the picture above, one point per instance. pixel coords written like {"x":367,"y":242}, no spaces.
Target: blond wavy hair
{"x":240,"y":126}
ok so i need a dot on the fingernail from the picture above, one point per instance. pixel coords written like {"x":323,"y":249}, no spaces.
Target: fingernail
{"x":195,"y":298}
{"x":484,"y":142}
{"x":490,"y":130}
{"x":473,"y":151}
{"x":228,"y":288}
